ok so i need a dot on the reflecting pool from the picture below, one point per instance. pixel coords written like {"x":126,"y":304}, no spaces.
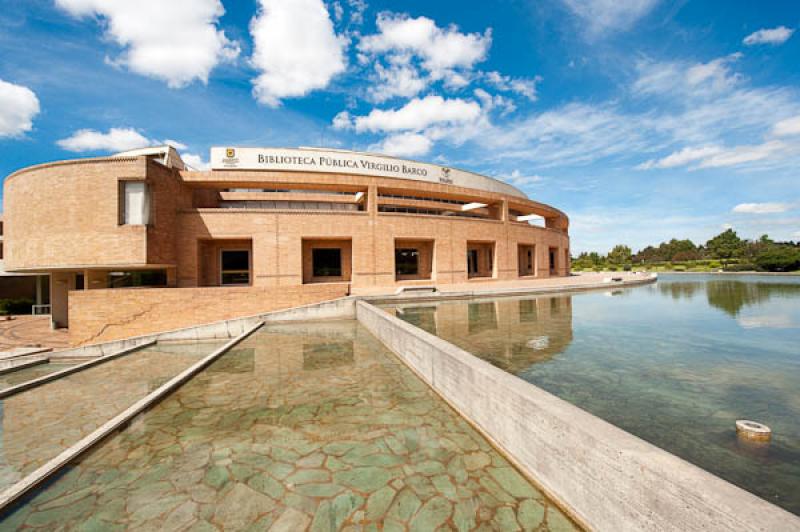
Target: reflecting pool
{"x":13,"y":378}
{"x":38,"y":424}
{"x":301,"y":426}
{"x":675,"y":363}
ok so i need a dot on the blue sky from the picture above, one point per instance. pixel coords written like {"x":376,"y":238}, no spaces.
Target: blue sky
{"x":642,"y":119}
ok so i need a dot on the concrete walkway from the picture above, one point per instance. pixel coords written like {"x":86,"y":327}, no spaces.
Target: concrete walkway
{"x":23,"y":331}
{"x":490,"y":285}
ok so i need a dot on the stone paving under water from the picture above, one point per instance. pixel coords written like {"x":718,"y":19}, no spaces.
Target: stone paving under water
{"x":40,"y":423}
{"x":12,"y":378}
{"x":302,"y":426}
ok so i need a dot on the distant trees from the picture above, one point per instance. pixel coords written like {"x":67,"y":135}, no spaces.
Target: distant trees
{"x":726,"y":250}
{"x":726,"y":245}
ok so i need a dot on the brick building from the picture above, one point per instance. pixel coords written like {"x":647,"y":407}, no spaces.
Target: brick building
{"x":271,"y":218}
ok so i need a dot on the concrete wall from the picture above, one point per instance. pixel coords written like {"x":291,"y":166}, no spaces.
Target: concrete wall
{"x":341,"y":308}
{"x":103,"y":315}
{"x":609,"y":479}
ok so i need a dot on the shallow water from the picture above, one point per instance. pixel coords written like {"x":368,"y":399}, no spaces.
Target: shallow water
{"x":303,"y":425}
{"x":676,"y":363}
{"x":7,"y":380}
{"x":40,"y":423}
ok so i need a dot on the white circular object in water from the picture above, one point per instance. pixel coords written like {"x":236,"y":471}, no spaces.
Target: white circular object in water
{"x":753,"y":430}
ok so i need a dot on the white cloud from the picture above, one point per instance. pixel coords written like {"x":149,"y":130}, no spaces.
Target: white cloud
{"x":688,"y":79}
{"x":523,"y":86}
{"x":18,"y":106}
{"x":180,"y":146}
{"x":406,"y":145}
{"x":440,"y":48}
{"x":116,"y":139}
{"x":681,"y":158}
{"x":602,"y":16}
{"x":295,"y":48}
{"x":399,"y":79}
{"x":715,"y":156}
{"x":776,"y":36}
{"x":342,"y":121}
{"x":195,"y":161}
{"x":716,"y":74}
{"x":419,"y":114}
{"x":762,"y":208}
{"x":176,"y":41}
{"x":519,"y":179}
{"x":787,"y":127}
{"x":743,"y":154}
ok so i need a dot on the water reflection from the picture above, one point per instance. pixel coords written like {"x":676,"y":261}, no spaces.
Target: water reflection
{"x":510,"y":333}
{"x":731,"y":294}
{"x":675,"y":363}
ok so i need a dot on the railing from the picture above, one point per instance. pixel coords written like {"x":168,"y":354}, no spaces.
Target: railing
{"x":40,"y":310}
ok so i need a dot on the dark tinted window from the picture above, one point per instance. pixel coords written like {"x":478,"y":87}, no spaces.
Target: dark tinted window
{"x":327,"y":262}
{"x":406,"y":261}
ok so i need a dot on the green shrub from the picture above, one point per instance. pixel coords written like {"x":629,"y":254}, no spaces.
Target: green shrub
{"x":15,"y":306}
{"x":739,"y":267}
{"x":714,"y":265}
{"x":612,"y":268}
{"x":627,"y":267}
{"x":679,"y":268}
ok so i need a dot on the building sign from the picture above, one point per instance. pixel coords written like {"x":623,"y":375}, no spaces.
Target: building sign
{"x":339,"y":162}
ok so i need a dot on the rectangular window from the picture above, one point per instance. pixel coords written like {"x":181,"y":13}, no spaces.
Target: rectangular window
{"x":406,"y":261}
{"x":327,"y":262}
{"x":1,"y":251}
{"x":134,"y":203}
{"x":234,"y":267}
{"x":137,"y":278}
{"x":79,"y":281}
{"x":472,"y":262}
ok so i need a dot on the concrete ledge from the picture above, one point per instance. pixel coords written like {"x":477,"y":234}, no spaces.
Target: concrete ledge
{"x":508,"y":292}
{"x":606,"y":478}
{"x":69,"y":371}
{"x":12,"y":494}
{"x":23,"y":351}
{"x":21,"y":362}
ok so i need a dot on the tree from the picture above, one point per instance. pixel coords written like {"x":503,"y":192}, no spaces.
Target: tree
{"x":778,"y":258}
{"x":726,"y":245}
{"x":621,"y":254}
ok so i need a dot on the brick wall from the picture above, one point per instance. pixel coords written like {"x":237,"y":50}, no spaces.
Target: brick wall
{"x":103,"y":315}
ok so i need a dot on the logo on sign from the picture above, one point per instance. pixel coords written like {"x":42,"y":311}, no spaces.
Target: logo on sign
{"x":444,"y":177}
{"x":230,"y":160}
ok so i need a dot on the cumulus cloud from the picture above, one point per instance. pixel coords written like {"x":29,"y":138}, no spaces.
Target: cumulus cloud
{"x":441,"y":49}
{"x":419,"y":114}
{"x":420,"y":52}
{"x":761,"y":208}
{"x":406,"y":145}
{"x":18,"y":106}
{"x":399,"y":79}
{"x":176,"y":41}
{"x":114,"y":140}
{"x":787,"y":127}
{"x":295,"y":48}
{"x":773,"y":36}
{"x":604,"y":16}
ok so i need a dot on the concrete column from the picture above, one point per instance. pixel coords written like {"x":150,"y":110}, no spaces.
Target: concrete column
{"x":38,"y":289}
{"x":60,"y":285}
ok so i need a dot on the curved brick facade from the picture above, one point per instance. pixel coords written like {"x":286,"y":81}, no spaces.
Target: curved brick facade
{"x":65,"y":219}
